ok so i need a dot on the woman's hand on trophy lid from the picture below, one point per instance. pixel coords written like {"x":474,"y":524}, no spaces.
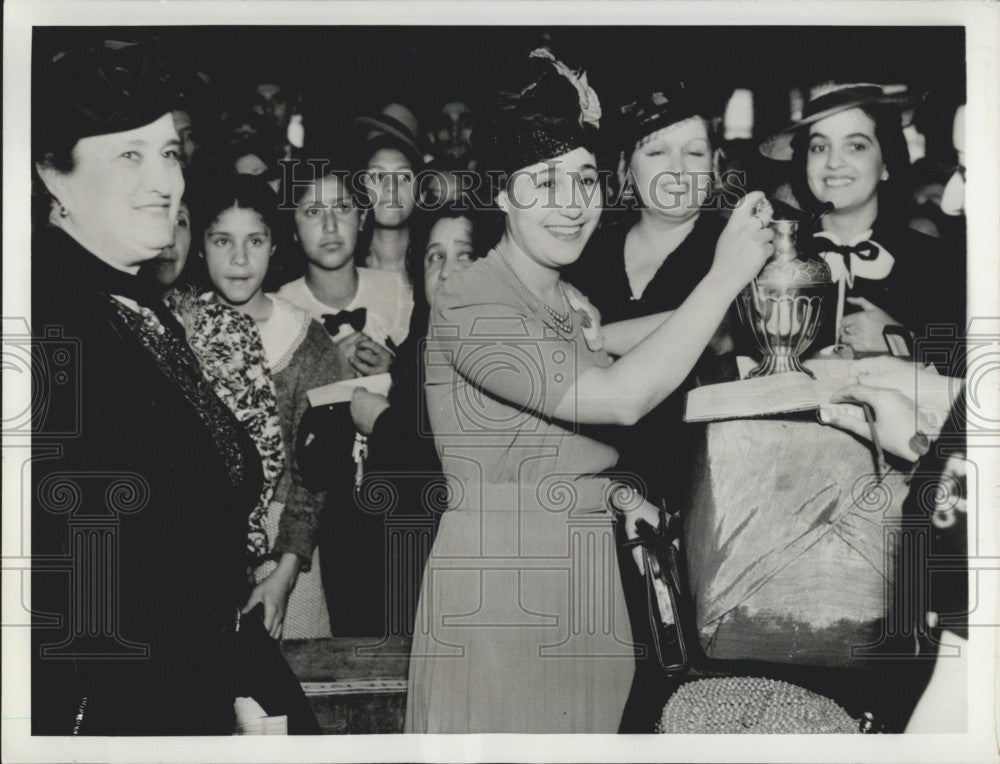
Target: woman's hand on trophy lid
{"x":745,"y":244}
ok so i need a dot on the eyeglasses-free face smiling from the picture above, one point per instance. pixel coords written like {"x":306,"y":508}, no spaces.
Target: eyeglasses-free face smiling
{"x":121,"y":197}
{"x":238,"y":248}
{"x":844,"y":161}
{"x":326,"y":223}
{"x":553,"y":207}
{"x":672,"y":169}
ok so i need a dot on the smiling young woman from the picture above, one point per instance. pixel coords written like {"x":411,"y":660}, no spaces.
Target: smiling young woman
{"x":848,"y":152}
{"x":515,"y":361}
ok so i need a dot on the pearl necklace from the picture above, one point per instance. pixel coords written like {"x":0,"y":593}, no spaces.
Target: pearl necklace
{"x":563,"y":321}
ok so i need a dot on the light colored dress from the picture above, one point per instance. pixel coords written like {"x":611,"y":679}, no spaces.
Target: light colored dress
{"x":522,"y":625}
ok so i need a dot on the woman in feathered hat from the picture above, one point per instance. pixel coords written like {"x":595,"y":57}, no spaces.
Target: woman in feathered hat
{"x":521,"y":625}
{"x":849,"y":153}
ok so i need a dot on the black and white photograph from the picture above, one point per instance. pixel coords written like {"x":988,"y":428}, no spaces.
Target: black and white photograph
{"x":522,"y":381}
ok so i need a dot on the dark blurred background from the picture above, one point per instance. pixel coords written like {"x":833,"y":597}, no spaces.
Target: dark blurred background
{"x":352,"y":69}
{"x":337,"y":72}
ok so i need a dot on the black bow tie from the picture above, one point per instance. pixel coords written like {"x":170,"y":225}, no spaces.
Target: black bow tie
{"x":354,"y":318}
{"x":865,"y":250}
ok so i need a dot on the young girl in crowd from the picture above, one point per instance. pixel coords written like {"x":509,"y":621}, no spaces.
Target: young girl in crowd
{"x":365,"y":311}
{"x":239,"y":220}
{"x":391,"y":163}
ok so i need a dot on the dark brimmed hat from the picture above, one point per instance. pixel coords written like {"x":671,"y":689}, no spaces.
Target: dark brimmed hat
{"x":832,"y":99}
{"x":395,"y":126}
{"x":109,"y":88}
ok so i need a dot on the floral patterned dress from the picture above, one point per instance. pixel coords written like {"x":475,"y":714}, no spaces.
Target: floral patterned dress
{"x":229,"y":349}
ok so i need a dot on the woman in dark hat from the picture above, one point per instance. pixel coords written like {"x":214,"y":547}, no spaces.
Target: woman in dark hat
{"x":156,"y":463}
{"x":521,"y":625}
{"x":642,"y":262}
{"x":646,"y":261}
{"x":848,"y":153}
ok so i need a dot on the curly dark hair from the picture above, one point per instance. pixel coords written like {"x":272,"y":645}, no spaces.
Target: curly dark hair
{"x":217,"y":193}
{"x":424,"y":221}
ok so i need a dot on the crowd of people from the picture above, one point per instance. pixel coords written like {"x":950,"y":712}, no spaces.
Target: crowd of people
{"x":217,"y":266}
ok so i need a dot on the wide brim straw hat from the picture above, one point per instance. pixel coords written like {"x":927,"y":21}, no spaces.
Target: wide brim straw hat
{"x":831,"y":99}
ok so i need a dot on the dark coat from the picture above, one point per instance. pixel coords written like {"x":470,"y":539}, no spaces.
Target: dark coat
{"x":153,"y":463}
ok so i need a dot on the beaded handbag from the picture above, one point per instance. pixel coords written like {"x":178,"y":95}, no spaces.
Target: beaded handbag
{"x":752,"y":705}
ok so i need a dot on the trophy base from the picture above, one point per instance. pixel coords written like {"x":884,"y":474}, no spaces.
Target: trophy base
{"x":778,"y":364}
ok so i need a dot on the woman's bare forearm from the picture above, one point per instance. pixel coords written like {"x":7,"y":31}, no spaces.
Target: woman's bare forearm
{"x":621,"y":336}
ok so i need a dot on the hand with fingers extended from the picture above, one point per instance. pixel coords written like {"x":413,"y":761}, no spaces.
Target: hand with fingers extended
{"x":862,"y":331}
{"x":744,"y":245}
{"x":898,"y":423}
{"x":933,"y":393}
{"x":273,"y":592}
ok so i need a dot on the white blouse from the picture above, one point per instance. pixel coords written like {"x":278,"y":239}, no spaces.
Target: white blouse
{"x":386,"y":296}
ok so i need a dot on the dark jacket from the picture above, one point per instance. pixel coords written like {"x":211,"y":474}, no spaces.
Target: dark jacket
{"x":141,"y":492}
{"x":374,"y":539}
{"x":924,"y":292}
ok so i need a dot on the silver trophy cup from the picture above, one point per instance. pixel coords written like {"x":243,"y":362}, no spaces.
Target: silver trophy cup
{"x":783,"y":306}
